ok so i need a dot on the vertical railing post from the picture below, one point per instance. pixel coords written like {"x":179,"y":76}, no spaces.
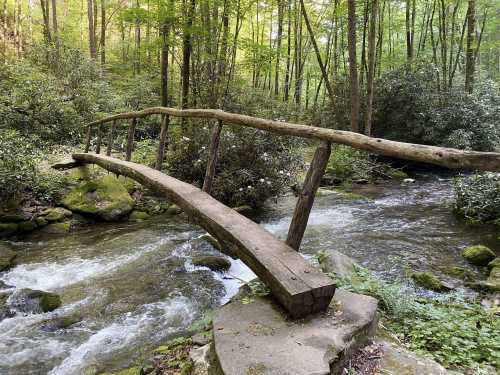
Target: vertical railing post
{"x":99,"y":139}
{"x":306,"y":197}
{"x":212,"y":158}
{"x":130,"y":139}
{"x":87,"y":140}
{"x":111,"y":138}
{"x":165,"y":121}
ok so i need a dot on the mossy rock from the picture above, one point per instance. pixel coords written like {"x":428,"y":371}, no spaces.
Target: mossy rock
{"x":478,"y":255}
{"x":174,"y":210}
{"x":212,"y":241}
{"x":494,"y":263}
{"x":56,"y":214}
{"x":397,"y":174}
{"x":458,"y":272}
{"x":429,"y":281}
{"x":130,"y":371}
{"x":35,"y":301}
{"x":8,"y":229}
{"x":59,"y":323}
{"x":12,"y":217}
{"x":138,"y":216}
{"x":41,"y":221}
{"x":6,"y":257}
{"x":215,"y":263}
{"x":491,"y":284}
{"x":27,"y":226}
{"x":105,"y":198}
{"x":350,"y":196}
{"x":57,"y":228}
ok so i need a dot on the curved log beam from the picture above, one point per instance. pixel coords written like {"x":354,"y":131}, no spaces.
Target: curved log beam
{"x":446,"y":157}
{"x":301,"y":288}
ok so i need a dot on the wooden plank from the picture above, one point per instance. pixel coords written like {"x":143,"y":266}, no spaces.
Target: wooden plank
{"x":301,"y":288}
{"x":87,"y":140}
{"x":99,"y":139}
{"x":446,"y":157}
{"x":212,"y":158}
{"x":111,"y":138}
{"x":130,"y":139}
{"x":165,"y":121}
{"x":306,"y":197}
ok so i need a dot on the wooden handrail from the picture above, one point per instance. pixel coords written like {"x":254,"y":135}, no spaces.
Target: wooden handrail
{"x":446,"y":157}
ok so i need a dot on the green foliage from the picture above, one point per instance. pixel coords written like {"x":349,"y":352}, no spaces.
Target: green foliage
{"x":17,"y":164}
{"x":252,"y":166}
{"x":477,"y":197}
{"x":457,"y":333}
{"x":410,"y":108}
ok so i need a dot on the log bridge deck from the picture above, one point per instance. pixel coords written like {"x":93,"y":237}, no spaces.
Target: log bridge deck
{"x":299,"y":287}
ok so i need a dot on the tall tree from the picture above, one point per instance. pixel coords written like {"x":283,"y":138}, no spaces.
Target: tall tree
{"x":92,"y":32}
{"x":189,"y":10}
{"x":281,"y":7}
{"x":353,"y":69}
{"x":103,"y":32}
{"x":470,"y":61}
{"x":371,"y":67}
{"x":55,"y":27}
{"x":44,"y":4}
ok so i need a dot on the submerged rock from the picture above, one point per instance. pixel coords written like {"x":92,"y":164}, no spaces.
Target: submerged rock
{"x":478,"y":255}
{"x":35,"y":301}
{"x":429,"y":281}
{"x":215,"y":263}
{"x":138,"y":216}
{"x":6,"y":257}
{"x":106,"y":198}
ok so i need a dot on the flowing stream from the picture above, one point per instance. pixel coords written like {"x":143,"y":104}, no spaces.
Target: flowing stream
{"x":130,"y":287}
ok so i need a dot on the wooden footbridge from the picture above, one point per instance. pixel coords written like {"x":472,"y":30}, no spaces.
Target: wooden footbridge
{"x":298,"y":286}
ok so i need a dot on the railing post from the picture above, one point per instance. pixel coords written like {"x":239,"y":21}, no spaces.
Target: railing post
{"x":99,"y":139}
{"x":306,"y":197}
{"x":111,"y":138}
{"x":87,"y":141}
{"x":165,"y":121}
{"x":130,"y":139}
{"x":212,"y":158}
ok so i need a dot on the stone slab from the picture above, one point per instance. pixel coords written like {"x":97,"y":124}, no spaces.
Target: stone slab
{"x":252,"y":336}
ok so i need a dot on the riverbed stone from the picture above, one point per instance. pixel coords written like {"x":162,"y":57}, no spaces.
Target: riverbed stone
{"x":58,"y":323}
{"x":259,"y":338}
{"x":428,"y":280}
{"x":478,"y":255}
{"x":8,"y":229}
{"x":105,"y":198}
{"x":57,"y":228}
{"x":173,"y":209}
{"x":138,"y":216}
{"x":56,"y":213}
{"x":35,"y":301}
{"x":215,"y":263}
{"x":6,"y":257}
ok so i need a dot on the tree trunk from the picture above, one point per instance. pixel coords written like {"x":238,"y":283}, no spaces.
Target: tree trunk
{"x":469,"y":62}
{"x":353,"y":69}
{"x":46,"y":20}
{"x":371,"y":68}
{"x":92,"y":37}
{"x":288,"y":53}
{"x":103,"y":32}
{"x":186,"y":53}
{"x":55,"y":27}
{"x":278,"y":46}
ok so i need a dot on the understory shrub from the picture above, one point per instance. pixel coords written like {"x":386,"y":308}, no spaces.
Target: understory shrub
{"x":409,"y":107}
{"x":457,"y":333}
{"x":252,"y":165}
{"x":477,"y":197}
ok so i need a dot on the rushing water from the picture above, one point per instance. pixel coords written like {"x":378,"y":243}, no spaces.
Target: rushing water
{"x":132,"y":286}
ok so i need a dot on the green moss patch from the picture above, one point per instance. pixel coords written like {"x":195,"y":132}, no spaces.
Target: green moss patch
{"x":478,"y":255}
{"x":429,"y":281}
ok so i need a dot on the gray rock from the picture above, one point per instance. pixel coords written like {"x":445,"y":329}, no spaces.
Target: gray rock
{"x":258,"y":338}
{"x":34,"y":301}
{"x":215,"y":263}
{"x":333,"y":261}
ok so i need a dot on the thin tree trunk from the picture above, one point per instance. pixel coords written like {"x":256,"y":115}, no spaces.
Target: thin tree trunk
{"x":55,"y":27}
{"x":278,"y":46}
{"x":46,"y":20}
{"x":103,"y":32}
{"x":371,"y":68}
{"x":288,"y":53}
{"x":92,"y":38}
{"x":469,"y":61}
{"x":353,"y":69}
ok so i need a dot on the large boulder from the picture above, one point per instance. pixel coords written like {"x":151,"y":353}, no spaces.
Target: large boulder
{"x":478,"y":255}
{"x":6,"y":257}
{"x":105,"y":198}
{"x":34,"y":301}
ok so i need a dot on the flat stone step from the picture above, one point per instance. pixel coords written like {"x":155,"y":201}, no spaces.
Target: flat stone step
{"x":253,"y":336}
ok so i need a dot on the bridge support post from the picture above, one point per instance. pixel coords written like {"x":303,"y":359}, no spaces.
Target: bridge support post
{"x":212,"y":158}
{"x":165,"y":122}
{"x":130,"y":139}
{"x":111,"y":138}
{"x":306,"y":197}
{"x":99,"y":139}
{"x":87,"y":140}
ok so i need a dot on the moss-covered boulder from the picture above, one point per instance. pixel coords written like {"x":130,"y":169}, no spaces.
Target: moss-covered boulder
{"x":35,"y":301}
{"x":215,"y":263}
{"x":6,"y":257}
{"x":105,"y":198}
{"x":138,"y":216}
{"x":57,"y":228}
{"x":174,"y":210}
{"x":56,"y":214}
{"x":494,"y":263}
{"x":41,"y":221}
{"x":478,"y":255}
{"x":8,"y":229}
{"x":429,"y":281}
{"x":458,"y":272}
{"x":493,"y":281}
